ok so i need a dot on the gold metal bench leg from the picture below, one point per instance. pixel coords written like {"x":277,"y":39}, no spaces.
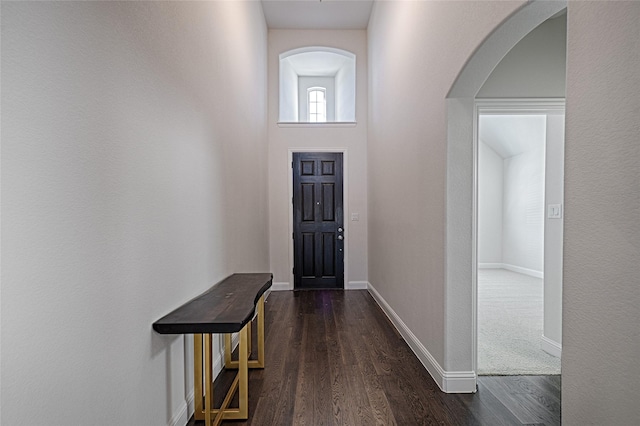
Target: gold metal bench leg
{"x":227,"y":351}
{"x":260,"y":336}
{"x":208,"y":374}
{"x":203,"y":344}
{"x":253,"y":363}
{"x":243,"y":374}
{"x":197,"y":376}
{"x":249,"y":338}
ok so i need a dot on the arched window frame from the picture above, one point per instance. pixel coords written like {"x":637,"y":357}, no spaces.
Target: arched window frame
{"x":316,"y":109}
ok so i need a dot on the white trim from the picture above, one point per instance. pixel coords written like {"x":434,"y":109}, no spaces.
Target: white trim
{"x":184,"y":414}
{"x":282,"y":286}
{"x":182,"y":417}
{"x":448,"y":381}
{"x":490,"y":266}
{"x":521,"y":270}
{"x":317,"y":125}
{"x":488,"y":106}
{"x":357,"y":285}
{"x":191,"y":408}
{"x":460,"y":382}
{"x":512,"y":268}
{"x":345,"y":205}
{"x":550,"y":346}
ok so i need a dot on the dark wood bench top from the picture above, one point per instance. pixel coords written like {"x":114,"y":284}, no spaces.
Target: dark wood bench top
{"x":225,"y":308}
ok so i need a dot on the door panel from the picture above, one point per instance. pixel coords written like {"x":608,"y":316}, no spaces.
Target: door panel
{"x":318,"y":236}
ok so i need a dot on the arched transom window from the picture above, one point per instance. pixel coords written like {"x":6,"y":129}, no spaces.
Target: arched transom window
{"x":317,"y":104}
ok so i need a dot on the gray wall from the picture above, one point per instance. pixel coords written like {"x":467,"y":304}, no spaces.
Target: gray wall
{"x":535,"y":67}
{"x":133,"y":178}
{"x":416,"y":50}
{"x":601,"y":336}
{"x":523,"y":214}
{"x":519,"y":225}
{"x":490,"y":205}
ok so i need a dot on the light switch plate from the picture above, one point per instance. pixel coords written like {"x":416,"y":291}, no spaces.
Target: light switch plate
{"x":554,"y":211}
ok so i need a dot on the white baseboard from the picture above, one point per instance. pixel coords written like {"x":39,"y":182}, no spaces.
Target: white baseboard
{"x":284,"y":286}
{"x":525,"y":271}
{"x":490,"y":266}
{"x":191,"y":408}
{"x":351,"y":285}
{"x":550,"y":346}
{"x":357,"y":285}
{"x":448,"y":381}
{"x":183,"y":416}
{"x":513,"y":268}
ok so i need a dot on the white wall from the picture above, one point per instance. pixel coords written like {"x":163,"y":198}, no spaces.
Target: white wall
{"x":512,"y":144}
{"x":510,"y":134}
{"x":535,"y":67}
{"x":601,"y":297}
{"x":353,"y":139}
{"x":523,"y":214}
{"x":346,"y":92}
{"x":416,"y":50}
{"x":490,"y":205}
{"x":289,"y":92}
{"x":133,"y":178}
{"x":553,"y":232}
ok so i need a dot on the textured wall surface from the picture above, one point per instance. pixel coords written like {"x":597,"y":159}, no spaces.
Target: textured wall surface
{"x":601,"y":336}
{"x":133,"y":178}
{"x":535,"y":67}
{"x":416,"y":50}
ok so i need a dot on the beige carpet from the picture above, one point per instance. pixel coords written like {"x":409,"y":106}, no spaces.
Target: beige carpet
{"x":510,"y":323}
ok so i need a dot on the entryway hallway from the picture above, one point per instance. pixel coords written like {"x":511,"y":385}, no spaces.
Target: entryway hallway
{"x":333,"y":358}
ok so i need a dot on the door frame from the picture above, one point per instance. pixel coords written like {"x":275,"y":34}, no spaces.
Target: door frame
{"x":496,"y":106}
{"x":345,"y":206}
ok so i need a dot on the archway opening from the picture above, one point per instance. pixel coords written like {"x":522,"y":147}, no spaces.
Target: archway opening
{"x":461,"y":253}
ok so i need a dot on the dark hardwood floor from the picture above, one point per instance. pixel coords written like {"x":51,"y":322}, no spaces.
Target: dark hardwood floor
{"x":333,"y":358}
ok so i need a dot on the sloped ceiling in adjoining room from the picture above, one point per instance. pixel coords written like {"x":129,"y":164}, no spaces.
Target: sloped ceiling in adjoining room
{"x":510,"y":135}
{"x":317,"y":15}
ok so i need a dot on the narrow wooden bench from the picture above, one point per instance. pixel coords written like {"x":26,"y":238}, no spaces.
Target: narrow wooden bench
{"x":227,"y":307}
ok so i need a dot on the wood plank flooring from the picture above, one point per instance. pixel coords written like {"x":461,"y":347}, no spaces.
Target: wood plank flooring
{"x":333,"y":358}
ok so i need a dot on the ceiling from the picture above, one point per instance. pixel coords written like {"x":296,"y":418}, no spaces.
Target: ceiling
{"x":318,"y":63}
{"x":317,"y":14}
{"x":510,"y":135}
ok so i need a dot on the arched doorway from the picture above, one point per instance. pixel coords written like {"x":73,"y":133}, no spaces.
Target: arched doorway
{"x":460,"y":303}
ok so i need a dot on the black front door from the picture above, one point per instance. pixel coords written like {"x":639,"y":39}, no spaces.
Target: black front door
{"x":318,"y":220}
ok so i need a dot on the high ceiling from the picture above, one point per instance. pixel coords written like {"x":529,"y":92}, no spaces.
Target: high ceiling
{"x":317,"y":14}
